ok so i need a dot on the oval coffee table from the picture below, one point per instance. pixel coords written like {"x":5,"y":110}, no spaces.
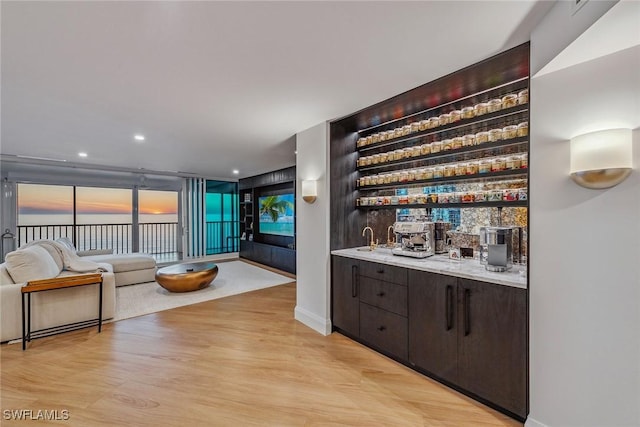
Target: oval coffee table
{"x":187,"y":277}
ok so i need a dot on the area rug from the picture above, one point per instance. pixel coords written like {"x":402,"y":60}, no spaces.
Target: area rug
{"x":234,"y":277}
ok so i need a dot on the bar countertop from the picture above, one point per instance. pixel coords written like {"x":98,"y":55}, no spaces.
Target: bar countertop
{"x":465,"y":268}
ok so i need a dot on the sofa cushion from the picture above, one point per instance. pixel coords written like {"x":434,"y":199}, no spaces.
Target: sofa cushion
{"x":126,"y":262}
{"x":31,"y":263}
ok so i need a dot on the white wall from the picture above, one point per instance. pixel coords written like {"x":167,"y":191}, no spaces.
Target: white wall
{"x":561,"y":26}
{"x":312,"y":243}
{"x":585,"y":252}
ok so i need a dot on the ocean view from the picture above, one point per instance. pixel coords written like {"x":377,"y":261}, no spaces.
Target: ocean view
{"x":67,"y":219}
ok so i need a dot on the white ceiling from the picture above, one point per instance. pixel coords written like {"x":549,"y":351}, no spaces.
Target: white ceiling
{"x":216,"y":86}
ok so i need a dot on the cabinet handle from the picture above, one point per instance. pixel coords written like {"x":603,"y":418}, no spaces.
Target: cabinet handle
{"x":380,"y":271}
{"x":380,"y":294}
{"x":382,"y":328}
{"x":355,"y":281}
{"x":467,"y":312}
{"x":449,"y":307}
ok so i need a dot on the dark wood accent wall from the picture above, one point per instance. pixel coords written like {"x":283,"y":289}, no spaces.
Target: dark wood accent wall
{"x":347,"y":222}
{"x":275,"y":251}
{"x":271,"y":178}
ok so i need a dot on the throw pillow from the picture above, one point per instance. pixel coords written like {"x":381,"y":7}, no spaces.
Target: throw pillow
{"x":31,"y":263}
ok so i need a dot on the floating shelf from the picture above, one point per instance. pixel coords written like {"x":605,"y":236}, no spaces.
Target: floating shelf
{"x":501,"y":114}
{"x":451,"y":153}
{"x":501,"y":204}
{"x":467,"y":178}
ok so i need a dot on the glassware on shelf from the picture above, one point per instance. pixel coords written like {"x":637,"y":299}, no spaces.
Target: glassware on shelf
{"x":484,"y":166}
{"x":494,"y":105}
{"x":467,"y":113}
{"x":495,"y":135}
{"x":481,"y":108}
{"x":510,"y":100}
{"x":472,"y":168}
{"x":523,"y":96}
{"x":449,"y":171}
{"x":455,"y":116}
{"x":509,"y":132}
{"x":447,"y":144}
{"x":523,"y":129}
{"x":468,"y":140}
{"x":436,"y":146}
{"x":498,"y":164}
{"x":482,"y":137}
{"x":494,"y":195}
{"x":456,"y":142}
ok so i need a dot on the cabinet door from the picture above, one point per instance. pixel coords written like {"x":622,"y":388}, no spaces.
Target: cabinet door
{"x":433,"y":324}
{"x":344,"y":295}
{"x":492,"y":349}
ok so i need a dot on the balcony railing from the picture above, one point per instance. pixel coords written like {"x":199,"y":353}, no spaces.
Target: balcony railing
{"x":154,"y":238}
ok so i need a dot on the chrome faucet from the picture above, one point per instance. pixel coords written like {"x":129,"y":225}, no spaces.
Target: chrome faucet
{"x":390,"y":241}
{"x":372,"y":245}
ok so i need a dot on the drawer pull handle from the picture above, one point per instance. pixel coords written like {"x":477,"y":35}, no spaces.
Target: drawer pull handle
{"x":380,"y":294}
{"x":380,"y":271}
{"x":382,"y":328}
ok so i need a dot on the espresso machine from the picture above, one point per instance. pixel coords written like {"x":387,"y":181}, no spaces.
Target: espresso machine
{"x":496,"y":248}
{"x":441,"y":229}
{"x":417,"y":239}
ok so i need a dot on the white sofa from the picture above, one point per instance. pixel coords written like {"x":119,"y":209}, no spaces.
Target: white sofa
{"x":129,"y":269}
{"x":49,"y":308}
{"x":53,"y":308}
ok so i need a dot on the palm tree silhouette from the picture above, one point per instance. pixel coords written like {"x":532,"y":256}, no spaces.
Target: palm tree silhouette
{"x":274,"y":207}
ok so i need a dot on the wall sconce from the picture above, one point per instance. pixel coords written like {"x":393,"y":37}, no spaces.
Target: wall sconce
{"x":601,"y":159}
{"x":309,"y":191}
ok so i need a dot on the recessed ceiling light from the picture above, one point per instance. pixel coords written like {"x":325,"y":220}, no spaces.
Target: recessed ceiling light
{"x":82,"y":154}
{"x":138,"y":137}
{"x":235,"y":171}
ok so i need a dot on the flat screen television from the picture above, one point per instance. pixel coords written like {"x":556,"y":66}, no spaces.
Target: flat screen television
{"x":276,"y":214}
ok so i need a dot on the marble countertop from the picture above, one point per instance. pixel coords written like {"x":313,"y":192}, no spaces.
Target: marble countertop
{"x":465,"y":268}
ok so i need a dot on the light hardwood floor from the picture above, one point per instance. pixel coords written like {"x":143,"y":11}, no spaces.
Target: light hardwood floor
{"x":237,"y":361}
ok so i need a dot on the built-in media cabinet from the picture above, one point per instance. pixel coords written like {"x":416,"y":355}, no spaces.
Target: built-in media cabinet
{"x":458,"y":143}
{"x":267,"y":219}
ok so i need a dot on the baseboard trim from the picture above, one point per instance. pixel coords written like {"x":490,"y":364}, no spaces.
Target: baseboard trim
{"x":312,"y":320}
{"x":533,"y":423}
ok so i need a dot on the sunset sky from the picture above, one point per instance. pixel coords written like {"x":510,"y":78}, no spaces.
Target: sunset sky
{"x":56,"y":199}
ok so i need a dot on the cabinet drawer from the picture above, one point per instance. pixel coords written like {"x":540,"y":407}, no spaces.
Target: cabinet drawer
{"x":385,"y":295}
{"x":384,"y":330}
{"x":388,"y":273}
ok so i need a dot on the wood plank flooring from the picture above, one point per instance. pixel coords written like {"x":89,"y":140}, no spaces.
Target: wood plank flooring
{"x":236,"y":361}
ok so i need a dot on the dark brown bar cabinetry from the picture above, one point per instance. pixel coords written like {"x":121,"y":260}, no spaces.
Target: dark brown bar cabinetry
{"x":470,"y":334}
